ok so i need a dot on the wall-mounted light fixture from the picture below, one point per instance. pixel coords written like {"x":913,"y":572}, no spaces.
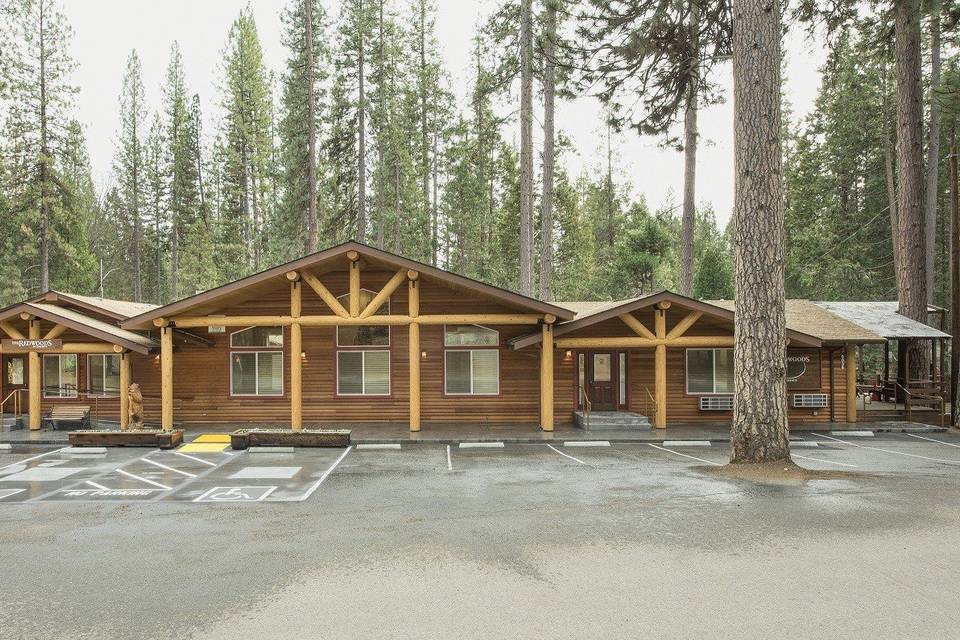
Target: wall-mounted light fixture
{"x":423,"y":354}
{"x":568,"y":354}
{"x":303,"y":355}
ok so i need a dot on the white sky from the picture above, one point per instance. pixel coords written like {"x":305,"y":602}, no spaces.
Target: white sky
{"x":105,"y":31}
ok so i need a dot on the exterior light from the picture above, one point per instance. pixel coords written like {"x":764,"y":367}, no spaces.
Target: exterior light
{"x":423,"y":354}
{"x":569,"y":354}
{"x":303,"y":355}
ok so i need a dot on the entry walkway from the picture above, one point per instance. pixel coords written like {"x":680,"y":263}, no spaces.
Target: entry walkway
{"x":512,"y":434}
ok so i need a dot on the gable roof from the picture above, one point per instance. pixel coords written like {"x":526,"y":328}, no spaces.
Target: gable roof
{"x":117,"y":309}
{"x":590,"y":313}
{"x":808,"y":317}
{"x":208,"y":300}
{"x":83,"y":323}
{"x":883,"y":319}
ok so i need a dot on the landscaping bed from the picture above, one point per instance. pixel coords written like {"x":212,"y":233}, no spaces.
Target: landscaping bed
{"x":128,"y":438}
{"x":243,"y":438}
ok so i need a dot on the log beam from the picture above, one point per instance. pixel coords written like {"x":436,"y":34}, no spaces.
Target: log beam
{"x":166,"y":378}
{"x":660,"y":368}
{"x":187,"y":322}
{"x":11,"y":331}
{"x":324,"y":294}
{"x":851,"y":370}
{"x":481,"y":318}
{"x":55,"y":332}
{"x":684,"y":325}
{"x":35,"y":381}
{"x":354,"y":284}
{"x":296,"y":362}
{"x":384,"y":293}
{"x":546,"y":377}
{"x":638,"y":327}
{"x":124,"y":391}
{"x":641,"y":343}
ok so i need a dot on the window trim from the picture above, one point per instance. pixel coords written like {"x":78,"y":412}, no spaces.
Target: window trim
{"x":361,"y":347}
{"x":686,"y":372}
{"x":283,"y":376}
{"x":281,"y":347}
{"x":447,"y":349}
{"x":470,"y":346}
{"x":43,"y":374}
{"x":90,"y":392}
{"x":363,"y":383}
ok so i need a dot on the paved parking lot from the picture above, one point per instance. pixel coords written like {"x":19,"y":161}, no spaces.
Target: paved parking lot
{"x":476,"y":542}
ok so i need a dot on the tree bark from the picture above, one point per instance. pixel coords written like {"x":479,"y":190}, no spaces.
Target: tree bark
{"x":526,"y":147}
{"x":549,"y":100}
{"x":933,"y":147}
{"x":361,"y":138}
{"x":45,"y":209}
{"x":311,"y":134}
{"x":954,"y":279}
{"x":689,"y":219}
{"x":759,"y":432}
{"x":911,"y":277}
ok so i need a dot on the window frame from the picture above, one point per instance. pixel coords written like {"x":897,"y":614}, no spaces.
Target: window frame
{"x":471,"y":348}
{"x":43,"y":374}
{"x":686,"y":372}
{"x":283,"y":340}
{"x":104,"y":356}
{"x":257,"y":352}
{"x":363,"y":380}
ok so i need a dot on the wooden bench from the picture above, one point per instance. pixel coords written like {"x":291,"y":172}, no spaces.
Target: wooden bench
{"x":65,"y":416}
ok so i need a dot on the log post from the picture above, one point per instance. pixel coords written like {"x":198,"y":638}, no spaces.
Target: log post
{"x":546,"y":378}
{"x":124,"y":391}
{"x":354,"y":284}
{"x":413,"y":299}
{"x":851,"y":364}
{"x":296,"y":362}
{"x":660,"y":367}
{"x":166,"y":378}
{"x":35,"y":377}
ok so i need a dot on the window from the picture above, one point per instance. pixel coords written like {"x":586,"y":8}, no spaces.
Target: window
{"x":623,"y":378}
{"x":363,"y":373}
{"x":471,"y":371}
{"x":15,"y":371}
{"x":103,"y":375}
{"x":709,"y":370}
{"x":257,"y":337}
{"x":60,"y":375}
{"x":364,"y":335}
{"x":256,"y":373}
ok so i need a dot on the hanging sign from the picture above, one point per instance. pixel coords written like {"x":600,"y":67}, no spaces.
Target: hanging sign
{"x":16,"y":344}
{"x":803,"y":368}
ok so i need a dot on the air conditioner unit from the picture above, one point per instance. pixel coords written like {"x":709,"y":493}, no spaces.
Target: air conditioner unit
{"x":716,"y":403}
{"x":810,"y":401}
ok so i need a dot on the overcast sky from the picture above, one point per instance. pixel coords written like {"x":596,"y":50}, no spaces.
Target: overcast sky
{"x":105,"y":31}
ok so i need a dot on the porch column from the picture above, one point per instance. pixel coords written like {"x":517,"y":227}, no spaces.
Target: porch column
{"x":660,"y":365}
{"x":35,"y":381}
{"x":546,"y":376}
{"x":413,"y":355}
{"x":166,"y":378}
{"x":125,"y":390}
{"x":296,"y":362}
{"x":851,"y":364}
{"x":354,"y":258}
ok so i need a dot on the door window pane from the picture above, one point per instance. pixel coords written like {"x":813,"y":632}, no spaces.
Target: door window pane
{"x":601,"y":367}
{"x":15,"y":371}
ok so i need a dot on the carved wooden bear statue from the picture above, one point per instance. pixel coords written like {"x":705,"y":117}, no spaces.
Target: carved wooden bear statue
{"x":136,"y":407}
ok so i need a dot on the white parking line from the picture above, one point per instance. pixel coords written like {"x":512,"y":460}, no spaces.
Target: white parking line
{"x":481,"y":445}
{"x":856,"y":434}
{"x":949,"y":444}
{"x":33,"y":458}
{"x":686,"y":443}
{"x":364,"y":447}
{"x":566,"y":455}
{"x":98,"y":486}
{"x":842,"y":464}
{"x":449,"y":460}
{"x":148,"y":481}
{"x":163,"y":466}
{"x":898,"y":453}
{"x":324,"y":476}
{"x":587,"y":443}
{"x":194,"y":458}
{"x":677,"y":453}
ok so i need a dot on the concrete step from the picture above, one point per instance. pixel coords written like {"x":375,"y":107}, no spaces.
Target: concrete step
{"x":610,"y":420}
{"x":9,"y":423}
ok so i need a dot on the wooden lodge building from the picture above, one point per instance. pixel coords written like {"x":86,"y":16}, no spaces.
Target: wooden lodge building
{"x":355,"y":335}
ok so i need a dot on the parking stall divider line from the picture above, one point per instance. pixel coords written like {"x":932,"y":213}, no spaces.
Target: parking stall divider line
{"x":141,"y":479}
{"x":565,"y":455}
{"x":186,"y":455}
{"x":326,"y":473}
{"x":449,"y":460}
{"x":952,"y":463}
{"x":842,"y":464}
{"x":32,"y":458}
{"x":196,"y":478}
{"x":98,"y":486}
{"x":163,"y":466}
{"x":949,"y":444}
{"x":677,"y":453}
{"x":85,"y":480}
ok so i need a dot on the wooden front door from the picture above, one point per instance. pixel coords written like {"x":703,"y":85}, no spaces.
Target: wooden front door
{"x":601,"y":377}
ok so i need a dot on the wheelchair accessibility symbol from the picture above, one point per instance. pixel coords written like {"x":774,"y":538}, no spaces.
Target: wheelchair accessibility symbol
{"x":235,"y":494}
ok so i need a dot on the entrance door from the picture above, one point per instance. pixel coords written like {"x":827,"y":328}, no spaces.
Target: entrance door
{"x":601,"y":380}
{"x":14,"y":372}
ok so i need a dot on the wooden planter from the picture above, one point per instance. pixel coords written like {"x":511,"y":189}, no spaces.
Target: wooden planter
{"x":131,"y":438}
{"x":243,"y":438}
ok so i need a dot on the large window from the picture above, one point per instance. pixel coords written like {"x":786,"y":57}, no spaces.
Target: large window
{"x":256,"y":373}
{"x":257,"y":337}
{"x":363,"y":373}
{"x":469,"y":371}
{"x":103,"y":374}
{"x":364,"y":335}
{"x":710,"y":371}
{"x":60,"y":375}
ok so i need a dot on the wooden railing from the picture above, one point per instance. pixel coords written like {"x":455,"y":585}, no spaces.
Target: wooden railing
{"x":13,"y":398}
{"x":649,"y":402}
{"x":586,"y":403}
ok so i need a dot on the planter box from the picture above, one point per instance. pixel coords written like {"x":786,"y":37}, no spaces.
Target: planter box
{"x":243,"y":438}
{"x":131,"y":438}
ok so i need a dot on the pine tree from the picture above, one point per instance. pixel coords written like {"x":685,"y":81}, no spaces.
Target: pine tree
{"x":129,"y":168}
{"x":155,"y":219}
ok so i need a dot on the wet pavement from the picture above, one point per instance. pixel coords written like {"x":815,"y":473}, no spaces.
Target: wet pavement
{"x":587,"y":539}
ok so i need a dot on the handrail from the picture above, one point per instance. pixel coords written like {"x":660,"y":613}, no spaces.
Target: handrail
{"x":15,"y":394}
{"x":646,"y":405}
{"x":587,"y":404}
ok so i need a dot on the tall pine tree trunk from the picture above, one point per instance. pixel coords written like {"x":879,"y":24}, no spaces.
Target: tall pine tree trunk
{"x":361,"y":139}
{"x":759,"y":431}
{"x":311,"y":134}
{"x":933,"y":147}
{"x":424,"y":139}
{"x":45,"y":195}
{"x":954,"y":279}
{"x":689,"y":219}
{"x":526,"y":147}
{"x":911,"y":276}
{"x":549,"y":98}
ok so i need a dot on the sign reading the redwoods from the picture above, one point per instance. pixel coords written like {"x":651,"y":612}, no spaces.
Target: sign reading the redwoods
{"x":31,"y":345}
{"x":803,"y":368}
